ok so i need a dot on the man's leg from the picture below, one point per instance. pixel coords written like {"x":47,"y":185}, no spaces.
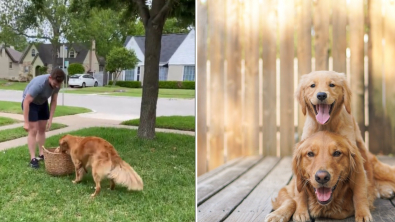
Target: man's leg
{"x":42,"y":124}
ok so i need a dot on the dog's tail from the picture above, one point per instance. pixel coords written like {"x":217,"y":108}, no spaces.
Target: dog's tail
{"x":124,"y":174}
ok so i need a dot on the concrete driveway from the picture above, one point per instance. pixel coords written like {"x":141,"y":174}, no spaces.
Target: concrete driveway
{"x":114,"y":107}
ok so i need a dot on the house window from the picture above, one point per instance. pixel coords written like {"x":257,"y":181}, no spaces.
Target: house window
{"x":129,"y":75}
{"x":162,"y":73}
{"x":71,"y":53}
{"x":138,"y":74}
{"x":189,"y":73}
{"x":10,"y":65}
{"x":57,"y":54}
{"x":33,"y":52}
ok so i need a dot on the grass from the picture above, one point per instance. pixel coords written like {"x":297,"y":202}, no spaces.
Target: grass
{"x":14,"y":133}
{"x":15,"y":107}
{"x":7,"y":121}
{"x":166,"y":165}
{"x":109,"y":90}
{"x":169,"y":122}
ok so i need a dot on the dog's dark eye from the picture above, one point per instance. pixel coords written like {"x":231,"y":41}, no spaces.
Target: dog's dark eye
{"x":332,"y":85}
{"x":312,"y":85}
{"x":310,"y":154}
{"x":337,"y":153}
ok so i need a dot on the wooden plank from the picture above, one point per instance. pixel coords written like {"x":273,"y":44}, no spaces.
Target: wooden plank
{"x":258,"y":204}
{"x":218,"y":169}
{"x":375,"y":53}
{"x":212,"y":185}
{"x":321,"y":28}
{"x":216,"y":53}
{"x":222,"y":204}
{"x":389,"y":78}
{"x":384,"y":212}
{"x":269,"y":30}
{"x":339,"y":22}
{"x":356,"y":20}
{"x":233,"y":81}
{"x":304,"y":50}
{"x":201,"y":32}
{"x":251,"y":107}
{"x":286,"y":25}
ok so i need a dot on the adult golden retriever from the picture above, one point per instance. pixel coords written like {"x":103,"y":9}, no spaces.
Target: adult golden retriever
{"x":101,"y":156}
{"x":327,"y":169}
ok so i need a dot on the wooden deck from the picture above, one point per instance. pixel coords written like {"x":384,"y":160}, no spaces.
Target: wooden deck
{"x":242,"y":189}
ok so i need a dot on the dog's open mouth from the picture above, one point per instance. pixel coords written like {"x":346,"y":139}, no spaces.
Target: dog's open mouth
{"x":324,"y":194}
{"x":323,"y":112}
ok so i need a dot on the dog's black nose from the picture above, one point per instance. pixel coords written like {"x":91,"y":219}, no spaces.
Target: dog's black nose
{"x":322,"y":176}
{"x":321,"y":96}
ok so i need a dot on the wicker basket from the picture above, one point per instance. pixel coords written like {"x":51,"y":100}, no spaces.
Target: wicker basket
{"x":57,"y":164}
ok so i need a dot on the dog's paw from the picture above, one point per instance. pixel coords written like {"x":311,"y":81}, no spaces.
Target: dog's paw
{"x":93,"y":195}
{"x":74,"y":181}
{"x":273,"y":217}
{"x":363,"y":217}
{"x":301,"y":216}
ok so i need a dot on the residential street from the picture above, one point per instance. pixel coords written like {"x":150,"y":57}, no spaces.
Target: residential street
{"x":114,"y":107}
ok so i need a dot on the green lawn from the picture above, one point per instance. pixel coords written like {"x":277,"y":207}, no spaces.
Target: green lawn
{"x":169,"y":122}
{"x":4,"y":84}
{"x":166,"y":165}
{"x":15,"y":107}
{"x":14,"y":133}
{"x":7,"y":121}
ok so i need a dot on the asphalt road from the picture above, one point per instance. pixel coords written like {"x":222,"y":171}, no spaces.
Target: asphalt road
{"x":114,"y":107}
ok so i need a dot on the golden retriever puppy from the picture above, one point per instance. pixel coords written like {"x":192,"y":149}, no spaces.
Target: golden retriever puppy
{"x":325,"y":97}
{"x":326,"y":168}
{"x":101,"y":156}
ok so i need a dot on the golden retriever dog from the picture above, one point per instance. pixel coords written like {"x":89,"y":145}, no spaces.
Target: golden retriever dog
{"x":325,"y":100}
{"x":327,"y":169}
{"x":99,"y":155}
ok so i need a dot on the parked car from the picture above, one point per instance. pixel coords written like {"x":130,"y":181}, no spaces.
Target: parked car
{"x":82,"y":80}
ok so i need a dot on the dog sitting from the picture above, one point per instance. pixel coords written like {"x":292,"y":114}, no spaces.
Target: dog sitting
{"x":101,"y":156}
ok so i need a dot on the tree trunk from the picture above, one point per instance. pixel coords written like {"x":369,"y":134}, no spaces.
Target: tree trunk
{"x":153,"y":36}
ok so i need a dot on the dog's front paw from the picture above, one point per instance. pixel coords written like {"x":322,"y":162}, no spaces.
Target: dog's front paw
{"x":74,"y":181}
{"x":274,"y":217}
{"x":301,"y":216}
{"x":363,"y":217}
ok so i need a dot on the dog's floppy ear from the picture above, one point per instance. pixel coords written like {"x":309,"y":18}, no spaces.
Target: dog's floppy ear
{"x":346,"y":93}
{"x":300,"y":96}
{"x":296,"y":168}
{"x":356,"y":165}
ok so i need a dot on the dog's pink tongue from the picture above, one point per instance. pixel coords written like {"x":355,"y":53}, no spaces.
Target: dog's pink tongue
{"x":323,"y":193}
{"x":322,"y":113}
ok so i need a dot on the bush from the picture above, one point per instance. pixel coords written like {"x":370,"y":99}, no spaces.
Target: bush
{"x":128,"y":84}
{"x":75,"y":68}
{"x":43,"y":70}
{"x":176,"y":84}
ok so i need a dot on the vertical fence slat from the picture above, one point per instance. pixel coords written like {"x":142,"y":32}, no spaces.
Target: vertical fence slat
{"x":233,"y":86}
{"x":201,"y":32}
{"x":356,"y":20}
{"x":304,"y":50}
{"x":321,"y":28}
{"x":375,"y":54}
{"x":251,"y":79}
{"x":216,"y":34}
{"x":339,"y":23}
{"x":286,"y":25}
{"x":269,"y":30}
{"x":389,"y":55}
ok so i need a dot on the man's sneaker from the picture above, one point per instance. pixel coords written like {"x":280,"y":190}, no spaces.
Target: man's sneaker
{"x":41,"y":157}
{"x":34,"y":163}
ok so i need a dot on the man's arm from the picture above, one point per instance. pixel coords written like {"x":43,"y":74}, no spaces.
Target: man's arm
{"x":54,"y":101}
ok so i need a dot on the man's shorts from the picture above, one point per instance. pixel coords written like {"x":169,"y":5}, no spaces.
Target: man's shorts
{"x":38,"y":112}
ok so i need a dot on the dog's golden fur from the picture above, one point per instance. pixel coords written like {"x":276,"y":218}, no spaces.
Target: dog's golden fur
{"x":99,"y":155}
{"x":344,"y":170}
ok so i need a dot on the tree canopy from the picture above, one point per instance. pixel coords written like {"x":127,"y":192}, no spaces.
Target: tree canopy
{"x":120,"y":59}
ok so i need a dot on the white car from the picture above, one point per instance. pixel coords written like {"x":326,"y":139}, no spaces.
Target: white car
{"x":82,"y":80}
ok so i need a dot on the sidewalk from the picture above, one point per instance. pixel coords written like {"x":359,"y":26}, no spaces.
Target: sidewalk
{"x":73,"y":122}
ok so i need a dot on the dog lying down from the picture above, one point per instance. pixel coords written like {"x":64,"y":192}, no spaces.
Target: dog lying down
{"x":99,"y":155}
{"x":326,"y":167}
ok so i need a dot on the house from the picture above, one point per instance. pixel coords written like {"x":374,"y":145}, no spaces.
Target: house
{"x":39,"y":55}
{"x":177,"y":57}
{"x":9,"y":62}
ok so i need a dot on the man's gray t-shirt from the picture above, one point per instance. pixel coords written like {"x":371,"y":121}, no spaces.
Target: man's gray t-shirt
{"x":40,"y":89}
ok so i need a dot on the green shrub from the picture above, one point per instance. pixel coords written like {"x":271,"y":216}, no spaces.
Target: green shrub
{"x":128,"y":84}
{"x":176,"y":84}
{"x":75,"y":68}
{"x":188,"y":85}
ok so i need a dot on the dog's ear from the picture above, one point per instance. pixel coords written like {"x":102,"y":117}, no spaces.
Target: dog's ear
{"x":356,"y":165}
{"x":296,"y":168}
{"x":346,"y":94}
{"x":300,"y":96}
